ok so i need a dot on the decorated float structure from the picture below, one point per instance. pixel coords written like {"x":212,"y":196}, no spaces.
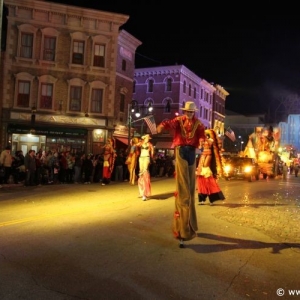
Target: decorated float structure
{"x":263,"y":145}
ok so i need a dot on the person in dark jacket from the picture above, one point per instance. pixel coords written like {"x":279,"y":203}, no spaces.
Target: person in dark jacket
{"x":87,"y":168}
{"x":30,"y":168}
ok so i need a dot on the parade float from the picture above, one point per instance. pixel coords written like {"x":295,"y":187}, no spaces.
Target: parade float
{"x":263,"y":146}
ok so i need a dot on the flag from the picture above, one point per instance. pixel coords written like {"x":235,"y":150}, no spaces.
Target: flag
{"x":230,"y":134}
{"x":151,"y":124}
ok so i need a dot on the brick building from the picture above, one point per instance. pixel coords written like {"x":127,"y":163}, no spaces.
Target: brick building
{"x":66,"y":76}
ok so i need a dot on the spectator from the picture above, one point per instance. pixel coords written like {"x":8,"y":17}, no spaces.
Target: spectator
{"x":87,"y":168}
{"x":30,"y":168}
{"x":70,"y":170}
{"x":98,"y":168}
{"x":63,"y":166}
{"x":79,"y":158}
{"x":6,"y":162}
{"x":119,"y":162}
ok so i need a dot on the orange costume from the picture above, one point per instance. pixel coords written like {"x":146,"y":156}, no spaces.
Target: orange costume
{"x":132,"y":159}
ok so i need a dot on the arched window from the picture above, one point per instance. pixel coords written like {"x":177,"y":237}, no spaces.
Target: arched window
{"x":169,"y":85}
{"x":150,"y":85}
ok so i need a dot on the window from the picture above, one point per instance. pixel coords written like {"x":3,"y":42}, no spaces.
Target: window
{"x":26,"y":45}
{"x":184,"y":87}
{"x":169,"y":85}
{"x":195,"y":93}
{"x":23,"y":94}
{"x":75,"y":98}
{"x":46,"y":96}
{"x":190,"y":90}
{"x":150,"y":86}
{"x":96,"y":101}
{"x":99,"y":55}
{"x":78,"y":51}
{"x":122,"y":103}
{"x":133,"y":89}
{"x":123,"y":65}
{"x":99,"y":46}
{"x":49,"y":48}
{"x":167,"y":108}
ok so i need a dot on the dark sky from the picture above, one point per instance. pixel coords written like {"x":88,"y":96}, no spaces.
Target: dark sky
{"x":256,"y":59}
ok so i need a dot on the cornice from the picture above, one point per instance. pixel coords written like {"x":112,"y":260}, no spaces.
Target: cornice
{"x":67,"y":11}
{"x":167,"y":70}
{"x":221,"y":89}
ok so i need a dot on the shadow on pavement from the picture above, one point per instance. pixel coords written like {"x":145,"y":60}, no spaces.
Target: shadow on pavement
{"x":229,"y":243}
{"x":162,"y":196}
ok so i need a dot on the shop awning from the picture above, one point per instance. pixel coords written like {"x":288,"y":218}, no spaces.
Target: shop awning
{"x":164,"y":145}
{"x":122,"y":140}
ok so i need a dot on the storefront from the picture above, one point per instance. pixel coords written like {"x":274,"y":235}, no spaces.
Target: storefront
{"x":23,"y":138}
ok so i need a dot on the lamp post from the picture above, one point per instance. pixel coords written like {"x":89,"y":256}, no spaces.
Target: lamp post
{"x":139,"y":112}
{"x":242,"y":142}
{"x":132,"y":106}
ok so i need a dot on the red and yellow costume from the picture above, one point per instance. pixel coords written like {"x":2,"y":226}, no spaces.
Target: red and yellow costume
{"x":186,"y":138}
{"x":209,"y":168}
{"x":109,"y":156}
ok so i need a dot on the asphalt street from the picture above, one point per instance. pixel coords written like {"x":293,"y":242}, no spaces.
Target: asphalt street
{"x":103,"y":242}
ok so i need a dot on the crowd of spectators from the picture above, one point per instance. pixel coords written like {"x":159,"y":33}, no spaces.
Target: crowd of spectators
{"x":54,"y":167}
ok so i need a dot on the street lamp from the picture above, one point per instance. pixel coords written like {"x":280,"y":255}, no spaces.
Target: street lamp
{"x":242,"y":142}
{"x":140,"y":111}
{"x":132,"y":106}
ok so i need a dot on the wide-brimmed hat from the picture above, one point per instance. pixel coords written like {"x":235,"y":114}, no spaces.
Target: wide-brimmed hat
{"x":146,"y":136}
{"x":190,"y":106}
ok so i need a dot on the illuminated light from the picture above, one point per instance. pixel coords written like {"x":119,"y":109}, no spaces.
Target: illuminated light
{"x":248,"y":169}
{"x":227,"y":168}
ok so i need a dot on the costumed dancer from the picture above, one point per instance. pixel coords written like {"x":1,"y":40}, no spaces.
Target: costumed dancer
{"x":209,"y":168}
{"x":109,"y":156}
{"x":188,"y":131}
{"x":146,"y":153}
{"x":132,"y":160}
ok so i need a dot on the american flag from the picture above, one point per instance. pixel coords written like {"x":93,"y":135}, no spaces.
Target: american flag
{"x":229,"y":133}
{"x":151,"y":124}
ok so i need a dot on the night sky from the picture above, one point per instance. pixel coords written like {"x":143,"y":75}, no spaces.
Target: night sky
{"x":256,"y":59}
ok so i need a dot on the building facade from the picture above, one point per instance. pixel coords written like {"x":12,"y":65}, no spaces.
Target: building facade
{"x":67,"y":76}
{"x":167,"y":88}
